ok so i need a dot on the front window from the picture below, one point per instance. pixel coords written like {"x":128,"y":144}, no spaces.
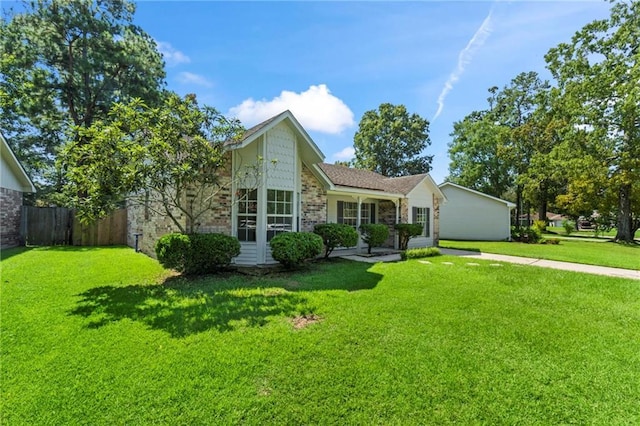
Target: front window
{"x":421,"y":216}
{"x":247,"y":214}
{"x":279,"y":212}
{"x":348,"y":213}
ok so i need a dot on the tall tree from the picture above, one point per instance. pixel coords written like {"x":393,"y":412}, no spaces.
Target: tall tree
{"x":504,"y":149}
{"x":473,"y":151}
{"x":168,"y":158}
{"x":64,"y":63}
{"x":599,"y":75}
{"x":389,"y":141}
{"x":514,"y":107}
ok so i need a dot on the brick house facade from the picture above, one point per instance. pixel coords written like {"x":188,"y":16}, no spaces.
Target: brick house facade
{"x":14,"y":182}
{"x":294,"y":192}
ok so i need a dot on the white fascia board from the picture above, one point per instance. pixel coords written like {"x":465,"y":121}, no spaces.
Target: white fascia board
{"x":347,"y":190}
{"x":482,"y":194}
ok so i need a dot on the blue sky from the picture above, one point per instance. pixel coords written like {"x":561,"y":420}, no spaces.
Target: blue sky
{"x":329,"y":62}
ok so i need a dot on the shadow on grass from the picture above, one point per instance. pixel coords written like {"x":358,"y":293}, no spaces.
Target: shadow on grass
{"x":184,"y":307}
{"x":7,"y":253}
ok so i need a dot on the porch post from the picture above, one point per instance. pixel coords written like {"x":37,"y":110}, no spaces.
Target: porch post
{"x":396,"y":240}
{"x":358,"y":223}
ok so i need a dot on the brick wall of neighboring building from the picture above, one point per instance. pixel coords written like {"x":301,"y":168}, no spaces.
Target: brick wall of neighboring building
{"x":314,"y":201}
{"x":11,"y":202}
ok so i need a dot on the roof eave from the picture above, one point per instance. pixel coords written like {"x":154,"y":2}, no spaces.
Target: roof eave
{"x":25,"y":181}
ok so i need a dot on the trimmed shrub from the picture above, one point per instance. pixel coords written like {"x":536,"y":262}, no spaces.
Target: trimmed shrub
{"x":527,"y":235}
{"x":540,"y":225}
{"x":569,"y":226}
{"x":196,"y":254}
{"x":211,"y":252}
{"x":336,"y":235}
{"x":172,"y":251}
{"x":374,"y":234}
{"x":406,"y":231}
{"x":293,"y":248}
{"x":418,"y":253}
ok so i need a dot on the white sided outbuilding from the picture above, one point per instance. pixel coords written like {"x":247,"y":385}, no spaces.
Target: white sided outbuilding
{"x":472,"y":215}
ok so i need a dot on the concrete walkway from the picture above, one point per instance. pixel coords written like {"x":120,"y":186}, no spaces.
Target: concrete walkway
{"x":553,"y":264}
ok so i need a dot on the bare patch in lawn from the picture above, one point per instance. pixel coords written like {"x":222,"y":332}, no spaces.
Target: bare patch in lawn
{"x":301,"y":321}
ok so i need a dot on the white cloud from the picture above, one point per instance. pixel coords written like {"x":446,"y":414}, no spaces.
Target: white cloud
{"x":464,"y":59}
{"x":346,"y":154}
{"x":191,"y":78}
{"x":316,"y":109}
{"x":171,"y":55}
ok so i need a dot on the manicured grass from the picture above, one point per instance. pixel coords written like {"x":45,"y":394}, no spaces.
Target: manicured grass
{"x":587,"y":252}
{"x":587,"y":233}
{"x":88,"y":337}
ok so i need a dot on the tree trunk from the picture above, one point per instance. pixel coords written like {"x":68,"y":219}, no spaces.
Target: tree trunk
{"x":625,"y":217}
{"x":542,"y":210}
{"x":518,"y":205}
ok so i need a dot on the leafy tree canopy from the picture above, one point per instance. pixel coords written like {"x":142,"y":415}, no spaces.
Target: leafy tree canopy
{"x":389,"y":141}
{"x":598,"y":74}
{"x":64,"y":63}
{"x":169,"y":158}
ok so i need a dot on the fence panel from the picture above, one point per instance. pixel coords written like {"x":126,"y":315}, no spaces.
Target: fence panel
{"x":112,"y":230}
{"x":59,"y":226}
{"x":46,"y":225}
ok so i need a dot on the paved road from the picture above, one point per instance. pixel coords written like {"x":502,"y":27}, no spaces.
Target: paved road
{"x":554,"y":264}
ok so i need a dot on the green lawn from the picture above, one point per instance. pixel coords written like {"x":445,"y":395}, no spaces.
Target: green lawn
{"x":559,"y":231}
{"x":591,"y":253}
{"x":89,"y":337}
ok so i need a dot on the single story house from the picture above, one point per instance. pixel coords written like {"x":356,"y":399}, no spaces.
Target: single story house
{"x":472,"y":215}
{"x":299,"y":192}
{"x":553,"y":219}
{"x":14,"y":182}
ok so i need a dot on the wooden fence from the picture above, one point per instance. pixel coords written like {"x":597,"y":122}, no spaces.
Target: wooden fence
{"x":59,"y":226}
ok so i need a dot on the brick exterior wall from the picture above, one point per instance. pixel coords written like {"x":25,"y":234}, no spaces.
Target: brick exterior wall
{"x":141,"y":218}
{"x":404,"y":211}
{"x":218,"y":218}
{"x":314,"y":201}
{"x":387,"y":216}
{"x":11,"y":202}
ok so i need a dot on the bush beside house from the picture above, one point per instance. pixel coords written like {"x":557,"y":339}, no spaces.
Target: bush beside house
{"x":406,"y":231}
{"x":293,"y":248}
{"x":374,"y":234}
{"x":336,"y":235}
{"x":196,"y":254}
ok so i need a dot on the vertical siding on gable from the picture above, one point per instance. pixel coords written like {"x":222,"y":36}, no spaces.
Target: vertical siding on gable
{"x":281,"y":146}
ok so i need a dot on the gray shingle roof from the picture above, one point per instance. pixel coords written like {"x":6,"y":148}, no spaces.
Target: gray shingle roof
{"x":366,"y":179}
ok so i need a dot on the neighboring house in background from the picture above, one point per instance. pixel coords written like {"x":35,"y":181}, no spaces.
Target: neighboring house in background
{"x":299,"y":192}
{"x":14,"y":181}
{"x":472,"y":215}
{"x":553,"y":219}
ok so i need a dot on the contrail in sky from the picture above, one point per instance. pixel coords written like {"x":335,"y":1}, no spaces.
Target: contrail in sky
{"x":464,"y":59}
